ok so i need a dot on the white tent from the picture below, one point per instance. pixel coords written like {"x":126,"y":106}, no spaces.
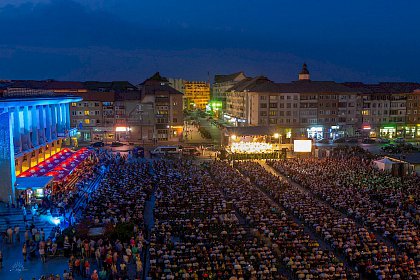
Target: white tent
{"x":384,"y":164}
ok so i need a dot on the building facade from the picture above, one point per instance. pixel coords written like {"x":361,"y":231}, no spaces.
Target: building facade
{"x":167,"y":104}
{"x":38,"y":127}
{"x":196,"y":95}
{"x":222,"y":84}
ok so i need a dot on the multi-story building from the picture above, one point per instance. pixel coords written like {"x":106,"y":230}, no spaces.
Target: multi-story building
{"x":384,"y":108}
{"x":413,"y":114}
{"x":32,"y":128}
{"x":238,"y":108}
{"x":94,"y":116}
{"x":168,"y":109}
{"x":178,"y":84}
{"x":196,"y":95}
{"x":301,"y":108}
{"x":222,"y":84}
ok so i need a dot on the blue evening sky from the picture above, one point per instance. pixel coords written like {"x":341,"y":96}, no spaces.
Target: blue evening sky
{"x":357,"y":40}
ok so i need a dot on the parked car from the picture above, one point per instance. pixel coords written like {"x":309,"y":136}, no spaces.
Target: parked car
{"x":382,"y":140}
{"x":368,"y":141}
{"x":191,"y":151}
{"x":399,"y":140}
{"x":117,"y":144}
{"x":165,"y":150}
{"x":352,"y":140}
{"x":340,"y":140}
{"x":98,"y":144}
{"x":391,"y":148}
{"x":324,"y":141}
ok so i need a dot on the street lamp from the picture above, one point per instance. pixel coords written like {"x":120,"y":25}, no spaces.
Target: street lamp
{"x":233,"y":137}
{"x":278,"y":136}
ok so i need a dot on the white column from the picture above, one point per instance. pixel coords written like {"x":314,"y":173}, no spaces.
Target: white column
{"x":67,"y":113}
{"x":35,"y":126}
{"x":47,"y":111}
{"x":16,"y":130}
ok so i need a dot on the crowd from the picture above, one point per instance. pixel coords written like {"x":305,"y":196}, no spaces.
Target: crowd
{"x":197,"y":232}
{"x":368,"y":253}
{"x":116,"y":209}
{"x":386,"y":204}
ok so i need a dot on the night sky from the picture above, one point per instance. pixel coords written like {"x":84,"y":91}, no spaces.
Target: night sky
{"x":357,"y":40}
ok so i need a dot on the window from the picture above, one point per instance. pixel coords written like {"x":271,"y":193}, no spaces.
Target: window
{"x":96,"y":104}
{"x":365,"y":112}
{"x":73,"y":104}
{"x":263,"y":113}
{"x":263,"y":97}
{"x":73,"y":113}
{"x":263,"y":105}
{"x":273,"y":105}
{"x":86,"y":113}
{"x":273,"y":113}
{"x":175,"y":120}
{"x":87,"y":121}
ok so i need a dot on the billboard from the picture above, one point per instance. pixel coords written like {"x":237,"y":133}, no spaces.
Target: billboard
{"x":302,"y":146}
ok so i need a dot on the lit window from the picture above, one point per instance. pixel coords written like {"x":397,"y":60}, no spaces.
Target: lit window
{"x":365,"y":112}
{"x":86,"y":113}
{"x":73,"y":104}
{"x":87,"y":121}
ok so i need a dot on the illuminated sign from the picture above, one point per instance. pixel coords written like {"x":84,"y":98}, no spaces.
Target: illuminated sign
{"x":302,"y":146}
{"x":122,"y":129}
{"x":366,"y":127}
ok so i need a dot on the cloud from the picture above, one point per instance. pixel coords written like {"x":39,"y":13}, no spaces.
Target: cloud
{"x":97,"y":39}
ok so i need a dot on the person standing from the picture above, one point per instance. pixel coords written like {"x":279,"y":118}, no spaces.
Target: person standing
{"x":42,"y":253}
{"x":10,"y":235}
{"x":24,"y":252}
{"x":17,"y":234}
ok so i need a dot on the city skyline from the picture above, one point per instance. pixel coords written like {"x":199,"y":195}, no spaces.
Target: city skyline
{"x":126,"y":40}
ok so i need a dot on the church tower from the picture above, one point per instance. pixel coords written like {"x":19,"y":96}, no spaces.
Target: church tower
{"x":304,"y":74}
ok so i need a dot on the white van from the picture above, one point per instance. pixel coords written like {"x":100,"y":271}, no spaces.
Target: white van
{"x":165,"y":150}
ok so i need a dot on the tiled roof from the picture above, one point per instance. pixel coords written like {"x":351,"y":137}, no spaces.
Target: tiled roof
{"x":384,"y":87}
{"x":152,"y":89}
{"x":262,"y":84}
{"x":249,"y":84}
{"x":97,"y":96}
{"x":226,"y":78}
{"x":47,"y":84}
{"x":109,"y":86}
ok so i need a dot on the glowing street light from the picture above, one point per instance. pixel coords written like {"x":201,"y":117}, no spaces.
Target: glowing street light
{"x":233,"y":137}
{"x":276,"y":135}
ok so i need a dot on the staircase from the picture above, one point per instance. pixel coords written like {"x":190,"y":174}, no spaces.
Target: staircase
{"x":11,"y":217}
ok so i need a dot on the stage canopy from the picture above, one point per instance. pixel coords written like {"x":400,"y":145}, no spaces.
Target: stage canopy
{"x":24,"y":183}
{"x":384,"y":164}
{"x":58,"y":166}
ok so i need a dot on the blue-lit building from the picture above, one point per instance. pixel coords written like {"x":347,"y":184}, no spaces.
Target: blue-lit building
{"x":32,"y":128}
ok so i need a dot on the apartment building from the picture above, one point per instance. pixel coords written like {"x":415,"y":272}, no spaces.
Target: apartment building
{"x":301,"y":108}
{"x":413,"y":115}
{"x":167,"y":104}
{"x":222,"y":84}
{"x":196,"y":95}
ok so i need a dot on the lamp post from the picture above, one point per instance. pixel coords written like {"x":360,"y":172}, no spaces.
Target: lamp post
{"x":278,"y":136}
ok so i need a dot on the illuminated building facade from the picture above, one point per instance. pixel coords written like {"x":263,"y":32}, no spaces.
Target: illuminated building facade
{"x":196,"y":95}
{"x":222,"y":84}
{"x":38,"y":126}
{"x":326,"y":109}
{"x":167,"y":105}
{"x":412,"y":129}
